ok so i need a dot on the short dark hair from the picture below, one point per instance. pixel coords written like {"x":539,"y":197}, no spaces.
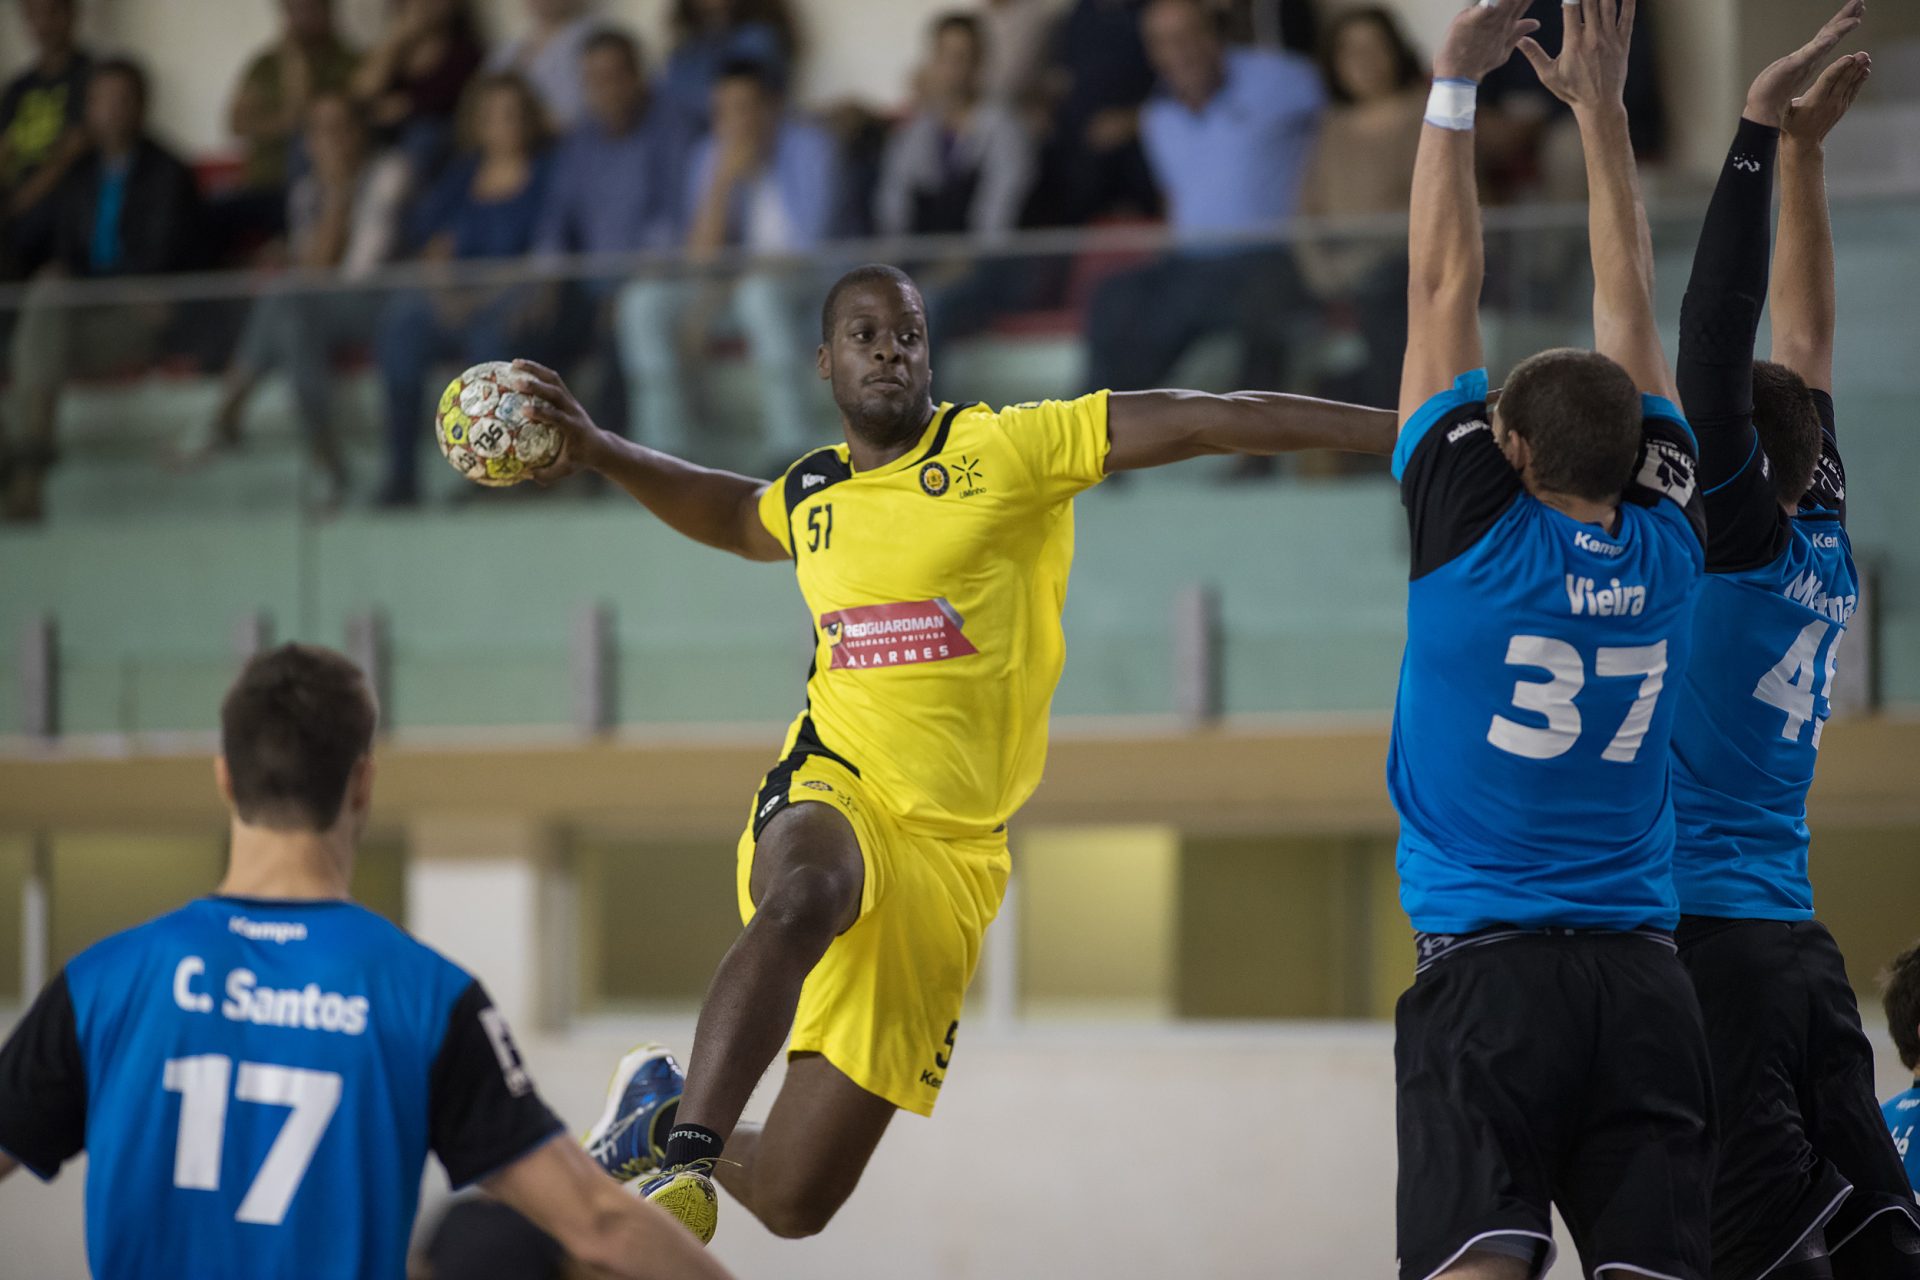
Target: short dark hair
{"x":292,"y":728}
{"x":1901,"y":999}
{"x":1408,"y":70}
{"x":533,"y":111}
{"x":1789,"y":427}
{"x":753,"y":69}
{"x":871,"y":273}
{"x":128,"y":69}
{"x":623,"y":42}
{"x":960,"y":20}
{"x":1579,"y":412}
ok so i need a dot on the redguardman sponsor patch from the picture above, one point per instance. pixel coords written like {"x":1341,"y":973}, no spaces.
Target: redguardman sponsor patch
{"x":894,"y":635}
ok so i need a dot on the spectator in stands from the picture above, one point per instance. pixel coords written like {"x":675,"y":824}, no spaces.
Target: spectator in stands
{"x":128,"y":207}
{"x":1092,"y":166}
{"x":1015,"y":35}
{"x":268,"y":111}
{"x":710,"y":35}
{"x":42,"y":133}
{"x":411,"y":83}
{"x":548,"y":56}
{"x":960,"y":164}
{"x":343,"y":223}
{"x":763,"y":183}
{"x":1528,"y":142}
{"x":616,"y":189}
{"x":1364,"y":165}
{"x":1228,"y":136}
{"x":613,"y":179}
{"x":1283,"y":24}
{"x":484,"y":206}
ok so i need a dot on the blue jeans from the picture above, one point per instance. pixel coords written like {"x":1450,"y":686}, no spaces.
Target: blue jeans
{"x":770,"y":311}
{"x":413,"y":335}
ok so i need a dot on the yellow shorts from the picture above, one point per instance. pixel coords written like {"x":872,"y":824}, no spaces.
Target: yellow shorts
{"x":883,"y":1004}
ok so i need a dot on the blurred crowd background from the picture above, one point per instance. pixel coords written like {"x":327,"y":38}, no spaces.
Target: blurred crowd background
{"x":245,"y":242}
{"x":552,"y":134}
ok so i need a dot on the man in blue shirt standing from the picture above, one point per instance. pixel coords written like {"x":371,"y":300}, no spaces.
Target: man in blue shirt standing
{"x":616,"y":189}
{"x":1550,"y":1051}
{"x":1807,"y":1183}
{"x":764,"y":183}
{"x":257,"y":1078}
{"x":1227,"y":138}
{"x":1902,"y":1112}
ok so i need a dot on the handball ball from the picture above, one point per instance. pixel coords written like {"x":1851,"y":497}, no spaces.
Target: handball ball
{"x":484,"y":431}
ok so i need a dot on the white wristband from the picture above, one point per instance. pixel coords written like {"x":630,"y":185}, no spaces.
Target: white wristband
{"x":1451,"y":104}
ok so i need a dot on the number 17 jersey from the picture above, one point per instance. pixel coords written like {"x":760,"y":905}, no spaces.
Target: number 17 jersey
{"x":257,"y":1085}
{"x":1535,"y":710}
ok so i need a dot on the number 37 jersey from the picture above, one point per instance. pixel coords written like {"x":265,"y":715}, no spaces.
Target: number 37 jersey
{"x":1529,"y":760}
{"x":257,"y":1085}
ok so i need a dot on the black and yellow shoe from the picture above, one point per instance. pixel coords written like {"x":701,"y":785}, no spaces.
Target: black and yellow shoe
{"x":686,"y":1191}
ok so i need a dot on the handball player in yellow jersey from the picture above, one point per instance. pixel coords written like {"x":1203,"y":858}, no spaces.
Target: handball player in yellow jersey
{"x":932,"y":550}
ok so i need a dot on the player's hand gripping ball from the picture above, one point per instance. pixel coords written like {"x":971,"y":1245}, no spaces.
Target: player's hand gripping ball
{"x":483,"y":428}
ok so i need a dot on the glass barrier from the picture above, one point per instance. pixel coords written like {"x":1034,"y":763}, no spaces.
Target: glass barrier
{"x":227,"y":458}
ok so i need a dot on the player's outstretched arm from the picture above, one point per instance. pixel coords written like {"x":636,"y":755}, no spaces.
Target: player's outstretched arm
{"x":718,"y":508}
{"x":1803,"y":291}
{"x":1590,"y":75}
{"x":1446,"y":255}
{"x":1154,"y":428}
{"x":598,"y":1221}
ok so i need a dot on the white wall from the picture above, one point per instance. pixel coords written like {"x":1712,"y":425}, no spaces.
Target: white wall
{"x":1123,"y":1153}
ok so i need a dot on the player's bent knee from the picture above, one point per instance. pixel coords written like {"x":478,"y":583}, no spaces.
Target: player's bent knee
{"x":810,"y":901}
{"x":797,"y":1216}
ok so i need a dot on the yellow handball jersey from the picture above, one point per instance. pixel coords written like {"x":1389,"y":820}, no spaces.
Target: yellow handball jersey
{"x":936,"y":584}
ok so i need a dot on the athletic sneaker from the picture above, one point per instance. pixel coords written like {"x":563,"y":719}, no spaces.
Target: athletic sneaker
{"x":685,"y":1191}
{"x":630,"y":1137}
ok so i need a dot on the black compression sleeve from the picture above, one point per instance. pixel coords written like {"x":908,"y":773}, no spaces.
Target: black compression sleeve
{"x":43,"y":1085}
{"x":1721,"y":313}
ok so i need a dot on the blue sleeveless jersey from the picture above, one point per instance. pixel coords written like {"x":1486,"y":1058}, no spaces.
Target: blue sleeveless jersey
{"x":1529,"y":759}
{"x":262,"y":1083}
{"x":1778,"y":597}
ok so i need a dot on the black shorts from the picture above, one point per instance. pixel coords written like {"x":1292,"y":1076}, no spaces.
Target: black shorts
{"x":1560,"y":1067}
{"x":1803,"y":1146}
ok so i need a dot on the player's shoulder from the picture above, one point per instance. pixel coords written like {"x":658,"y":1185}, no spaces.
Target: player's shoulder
{"x":811,"y":473}
{"x":1454,"y":415}
{"x":115,"y":952}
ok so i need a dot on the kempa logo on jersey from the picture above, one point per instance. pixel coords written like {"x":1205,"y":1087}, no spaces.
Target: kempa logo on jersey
{"x":1587,"y":542}
{"x":281,"y":931}
{"x":894,"y":635}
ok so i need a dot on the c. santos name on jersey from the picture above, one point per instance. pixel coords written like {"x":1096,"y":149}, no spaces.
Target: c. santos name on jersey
{"x":1810,"y":589}
{"x":1611,"y":601}
{"x":307,"y":1008}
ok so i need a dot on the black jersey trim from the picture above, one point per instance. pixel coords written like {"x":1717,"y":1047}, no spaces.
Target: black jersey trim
{"x":826,"y":468}
{"x":945,"y":429}
{"x":772,"y":796}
